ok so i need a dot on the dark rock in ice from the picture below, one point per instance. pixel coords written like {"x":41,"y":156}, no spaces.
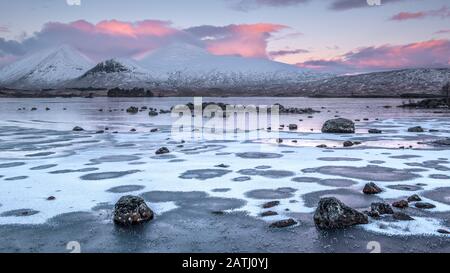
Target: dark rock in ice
{"x":375,"y":131}
{"x":271,"y":204}
{"x":400,"y":204}
{"x":153,"y":113}
{"x":443,"y":231}
{"x":133,"y":110}
{"x":77,"y":129}
{"x":284,"y":223}
{"x":163,"y":150}
{"x":424,"y":205}
{"x":222,"y":166}
{"x":51,"y":198}
{"x":414,"y":198}
{"x":348,"y":144}
{"x":416,"y":129}
{"x":339,"y":126}
{"x":132,"y":210}
{"x":293,"y":127}
{"x":269,"y":213}
{"x":333,"y":214}
{"x":402,"y":216}
{"x":371,"y":188}
{"x":382,"y":208}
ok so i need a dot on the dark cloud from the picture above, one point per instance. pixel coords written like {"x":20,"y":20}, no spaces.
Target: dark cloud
{"x":281,"y":53}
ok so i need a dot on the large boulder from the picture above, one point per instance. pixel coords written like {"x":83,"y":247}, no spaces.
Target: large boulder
{"x":339,"y":126}
{"x":132,"y":210}
{"x":333,"y":214}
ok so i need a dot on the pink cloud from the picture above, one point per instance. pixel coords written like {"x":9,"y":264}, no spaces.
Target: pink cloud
{"x":432,"y":53}
{"x":247,"y":40}
{"x":443,"y":12}
{"x":114,"y":38}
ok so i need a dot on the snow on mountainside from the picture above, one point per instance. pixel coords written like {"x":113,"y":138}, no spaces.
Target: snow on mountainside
{"x":405,"y":82}
{"x":123,"y":73}
{"x":192,"y":66}
{"x":45,"y":69}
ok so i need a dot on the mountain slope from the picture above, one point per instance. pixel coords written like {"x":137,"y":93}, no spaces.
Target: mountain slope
{"x":190,"y":66}
{"x":45,"y":69}
{"x":420,"y":81}
{"x":113,"y":73}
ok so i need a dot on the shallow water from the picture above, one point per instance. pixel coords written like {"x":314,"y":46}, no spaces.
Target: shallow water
{"x":40,"y":156}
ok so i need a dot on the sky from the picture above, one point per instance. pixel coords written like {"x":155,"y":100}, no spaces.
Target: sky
{"x":341,"y":36}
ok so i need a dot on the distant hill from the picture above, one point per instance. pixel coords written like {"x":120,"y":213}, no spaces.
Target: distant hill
{"x":406,"y":82}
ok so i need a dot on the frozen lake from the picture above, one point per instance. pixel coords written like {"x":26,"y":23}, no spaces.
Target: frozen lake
{"x":214,"y":182}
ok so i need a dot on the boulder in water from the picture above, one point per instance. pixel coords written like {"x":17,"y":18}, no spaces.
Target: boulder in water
{"x":333,"y":214}
{"x":132,"y":210}
{"x":339,"y":126}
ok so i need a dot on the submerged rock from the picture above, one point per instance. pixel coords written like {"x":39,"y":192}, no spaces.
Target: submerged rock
{"x":375,"y":131}
{"x":132,"y":210}
{"x":339,"y":126}
{"x":271,"y":204}
{"x":416,"y":129}
{"x":293,"y":127}
{"x":371,"y":188}
{"x":269,"y":213}
{"x":283,"y":223}
{"x":402,"y":216}
{"x":77,"y":129}
{"x":348,"y":144}
{"x":133,"y":110}
{"x":400,"y":204}
{"x":382,"y":208}
{"x":414,"y":198}
{"x":424,"y":205}
{"x":162,"y":151}
{"x":333,"y":214}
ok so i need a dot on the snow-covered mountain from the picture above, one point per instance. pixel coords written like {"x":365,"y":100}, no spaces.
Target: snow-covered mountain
{"x":191,"y":66}
{"x":405,"y":82}
{"x":45,"y":69}
{"x":123,"y":73}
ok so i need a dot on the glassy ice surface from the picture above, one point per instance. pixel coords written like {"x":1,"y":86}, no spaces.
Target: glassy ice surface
{"x":40,"y":157}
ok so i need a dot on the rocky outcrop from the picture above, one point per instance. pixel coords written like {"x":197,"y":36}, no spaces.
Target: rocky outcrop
{"x":133,"y":110}
{"x":382,"y":208}
{"x":132,"y":210}
{"x":426,"y":104}
{"x":283,"y":223}
{"x":333,"y":214}
{"x":371,"y":188}
{"x":339,"y":126}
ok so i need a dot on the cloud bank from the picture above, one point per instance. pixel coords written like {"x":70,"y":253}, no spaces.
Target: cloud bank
{"x":432,"y":53}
